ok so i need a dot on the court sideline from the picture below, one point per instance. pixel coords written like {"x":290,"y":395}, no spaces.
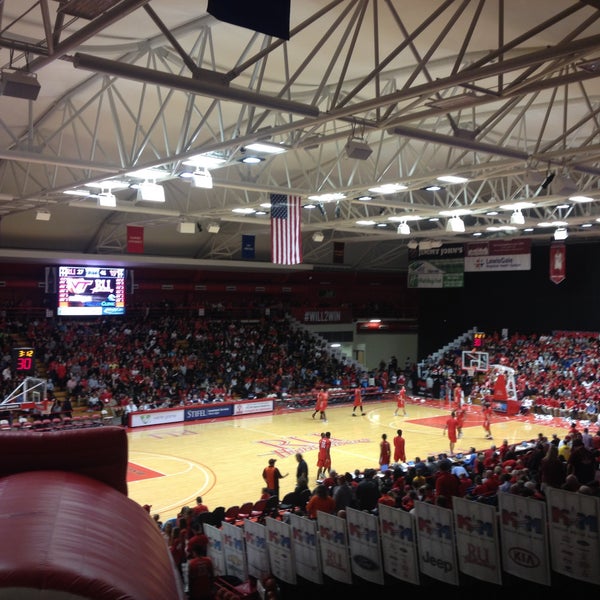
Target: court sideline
{"x":222,"y":460}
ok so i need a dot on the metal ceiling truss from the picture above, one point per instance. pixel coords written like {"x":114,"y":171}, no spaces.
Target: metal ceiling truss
{"x":494,"y":116}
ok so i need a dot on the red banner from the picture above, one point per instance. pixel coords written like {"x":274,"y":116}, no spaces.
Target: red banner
{"x":558,"y":263}
{"x":338,"y":253}
{"x":135,"y":239}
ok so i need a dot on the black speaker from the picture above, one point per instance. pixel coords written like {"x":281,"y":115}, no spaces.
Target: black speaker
{"x":19,"y":84}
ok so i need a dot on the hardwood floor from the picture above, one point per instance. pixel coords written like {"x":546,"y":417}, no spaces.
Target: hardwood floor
{"x":222,"y":460}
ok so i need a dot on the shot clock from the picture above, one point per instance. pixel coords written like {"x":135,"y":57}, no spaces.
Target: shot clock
{"x":23,"y":360}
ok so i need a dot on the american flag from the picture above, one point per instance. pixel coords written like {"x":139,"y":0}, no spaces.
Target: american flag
{"x":286,"y":243}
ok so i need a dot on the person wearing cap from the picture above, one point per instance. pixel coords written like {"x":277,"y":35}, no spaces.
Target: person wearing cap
{"x":272,"y":475}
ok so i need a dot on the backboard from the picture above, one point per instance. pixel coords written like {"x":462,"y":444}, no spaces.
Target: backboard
{"x":479,"y":361}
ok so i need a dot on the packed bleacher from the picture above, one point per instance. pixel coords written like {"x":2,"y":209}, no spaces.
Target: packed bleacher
{"x":167,"y":360}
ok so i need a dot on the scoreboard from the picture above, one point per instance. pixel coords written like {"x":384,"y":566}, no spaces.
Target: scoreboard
{"x":23,"y":361}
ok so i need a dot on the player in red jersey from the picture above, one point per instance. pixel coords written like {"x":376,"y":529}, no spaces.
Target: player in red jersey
{"x":451,"y":428}
{"x":358,"y":402}
{"x":487,"y":420}
{"x":401,"y":401}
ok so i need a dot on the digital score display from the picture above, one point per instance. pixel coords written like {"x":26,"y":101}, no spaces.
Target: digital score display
{"x":91,"y":291}
{"x":23,"y":360}
{"x":478,"y":338}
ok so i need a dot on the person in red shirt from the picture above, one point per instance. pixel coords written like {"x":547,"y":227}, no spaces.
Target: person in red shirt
{"x":487,"y":420}
{"x":324,"y":455}
{"x":451,"y":428}
{"x":401,"y":401}
{"x":201,"y":574}
{"x":399,"y":447}
{"x":447,"y":485}
{"x":384,"y":451}
{"x":358,"y":402}
{"x":320,"y":501}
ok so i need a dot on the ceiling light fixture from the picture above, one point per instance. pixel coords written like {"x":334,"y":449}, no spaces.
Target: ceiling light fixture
{"x":213,"y":228}
{"x":455,"y":225}
{"x":560,"y":234}
{"x":517,"y":218}
{"x":318,"y":236}
{"x":186,"y":227}
{"x":266,"y":147}
{"x":107,"y":200}
{"x":251,"y":159}
{"x":201,"y":178}
{"x":452,"y":179}
{"x":42,"y":215}
{"x":388,"y":188}
{"x":148,"y":191}
{"x":403,"y":228}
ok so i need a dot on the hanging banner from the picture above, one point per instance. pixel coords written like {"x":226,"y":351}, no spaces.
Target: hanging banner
{"x":248,"y":247}
{"x":436,"y":266}
{"x":338,"y":253}
{"x":135,"y":239}
{"x":498,"y":255}
{"x":558,"y":263}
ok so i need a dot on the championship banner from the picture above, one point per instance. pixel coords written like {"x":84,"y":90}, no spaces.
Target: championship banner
{"x":558,"y":263}
{"x":365,"y":548}
{"x":248,"y":247}
{"x":574,"y":541}
{"x":477,"y":539}
{"x":435,"y":537}
{"x":255,"y":536}
{"x":135,"y":239}
{"x":234,"y":550}
{"x":439,"y":267}
{"x":307,"y":551}
{"x":335,"y":558}
{"x":281,"y":553}
{"x":338,"y":253}
{"x":524,"y":538}
{"x":498,"y":255}
{"x":215,"y":548}
{"x":399,"y":544}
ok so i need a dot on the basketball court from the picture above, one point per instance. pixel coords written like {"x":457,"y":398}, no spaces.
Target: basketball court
{"x":222,"y":460}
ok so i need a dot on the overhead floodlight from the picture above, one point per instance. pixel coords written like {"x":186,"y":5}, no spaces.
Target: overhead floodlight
{"x":413,"y":245}
{"x":388,"y":188}
{"x":213,"y":228}
{"x":560,"y":234}
{"x":149,"y":191}
{"x":201,"y":178}
{"x":581,"y":199}
{"x":318,"y":236}
{"x":403,"y":228}
{"x":455,"y":225}
{"x":452,"y":179}
{"x":330,"y":197}
{"x":251,"y":159}
{"x":186,"y":227}
{"x":107,"y":200}
{"x":42,"y":215}
{"x":266,"y":148}
{"x":205,"y":161}
{"x":517,"y":218}
{"x":365,"y":222}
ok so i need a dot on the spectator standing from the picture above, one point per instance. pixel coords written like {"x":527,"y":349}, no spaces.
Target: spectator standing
{"x":384,"y":451}
{"x":399,"y":447}
{"x":447,"y":485}
{"x":367,"y":492}
{"x":301,"y":470}
{"x":552,"y":471}
{"x":272,"y":476}
{"x":358,"y":402}
{"x":201,"y":574}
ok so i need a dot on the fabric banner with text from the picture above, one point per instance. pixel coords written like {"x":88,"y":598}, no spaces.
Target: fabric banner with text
{"x":558,"y":263}
{"x":135,"y":239}
{"x":498,"y":255}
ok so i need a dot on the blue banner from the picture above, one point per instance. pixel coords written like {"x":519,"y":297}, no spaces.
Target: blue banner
{"x":205,"y":411}
{"x":248,"y":246}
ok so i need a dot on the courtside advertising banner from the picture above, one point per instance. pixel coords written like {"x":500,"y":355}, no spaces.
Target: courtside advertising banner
{"x":335,"y":557}
{"x":234,"y":550}
{"x":365,"y":548}
{"x":574,"y":542}
{"x":476,"y":527}
{"x":435,"y":538}
{"x":215,"y":549}
{"x":524,"y":538}
{"x":498,"y":255}
{"x":307,"y":550}
{"x":399,"y":544}
{"x":255,"y":536}
{"x":281,"y":553}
